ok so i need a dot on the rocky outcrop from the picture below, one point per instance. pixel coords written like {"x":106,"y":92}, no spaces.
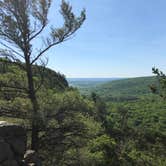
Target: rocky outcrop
{"x":13,"y":142}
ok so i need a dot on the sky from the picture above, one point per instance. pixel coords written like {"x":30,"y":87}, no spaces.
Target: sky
{"x":120,"y":38}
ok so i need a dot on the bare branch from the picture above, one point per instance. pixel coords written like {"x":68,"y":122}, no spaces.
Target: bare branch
{"x":11,"y":58}
{"x":43,"y":51}
{"x":35,"y":35}
{"x":12,"y":49}
{"x":71,"y":25}
{"x":40,"y":12}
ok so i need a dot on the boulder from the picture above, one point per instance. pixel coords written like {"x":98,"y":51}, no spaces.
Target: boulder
{"x":5,"y":151}
{"x":13,"y":142}
{"x":10,"y":163}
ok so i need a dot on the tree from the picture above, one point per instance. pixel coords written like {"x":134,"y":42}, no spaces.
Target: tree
{"x":161,"y":88}
{"x":69,"y":128}
{"x":22,"y":24}
{"x":101,"y":111}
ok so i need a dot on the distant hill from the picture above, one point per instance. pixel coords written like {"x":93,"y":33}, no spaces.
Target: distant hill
{"x":123,"y":89}
{"x":85,"y":85}
{"x":92,"y":79}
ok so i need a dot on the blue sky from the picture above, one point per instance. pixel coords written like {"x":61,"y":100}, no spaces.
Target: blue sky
{"x":120,"y":38}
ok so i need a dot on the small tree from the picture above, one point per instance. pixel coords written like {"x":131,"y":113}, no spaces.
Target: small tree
{"x":160,"y":89}
{"x":22,"y":23}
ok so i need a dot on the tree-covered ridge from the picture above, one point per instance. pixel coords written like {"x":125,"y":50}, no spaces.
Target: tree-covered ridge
{"x":49,"y":78}
{"x":14,"y":101}
{"x":128,"y":88}
{"x":124,"y":89}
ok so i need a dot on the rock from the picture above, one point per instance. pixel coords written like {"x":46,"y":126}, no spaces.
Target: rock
{"x":18,"y":145}
{"x":5,"y":151}
{"x":10,"y":163}
{"x":13,"y":142}
{"x":31,"y":158}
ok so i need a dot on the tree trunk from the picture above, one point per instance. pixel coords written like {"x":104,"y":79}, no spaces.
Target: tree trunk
{"x":32,"y":96}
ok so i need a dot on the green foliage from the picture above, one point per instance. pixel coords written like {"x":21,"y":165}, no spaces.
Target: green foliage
{"x":69,"y":128}
{"x":136,"y":122}
{"x":14,"y":100}
{"x":67,"y":122}
{"x":94,"y":131}
{"x":140,"y":130}
{"x":161,"y":88}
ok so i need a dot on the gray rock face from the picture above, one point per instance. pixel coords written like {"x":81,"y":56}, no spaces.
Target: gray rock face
{"x":5,"y":151}
{"x":10,"y":163}
{"x":13,"y":141}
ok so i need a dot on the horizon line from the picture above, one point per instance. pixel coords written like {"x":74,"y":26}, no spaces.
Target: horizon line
{"x":111,"y":77}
